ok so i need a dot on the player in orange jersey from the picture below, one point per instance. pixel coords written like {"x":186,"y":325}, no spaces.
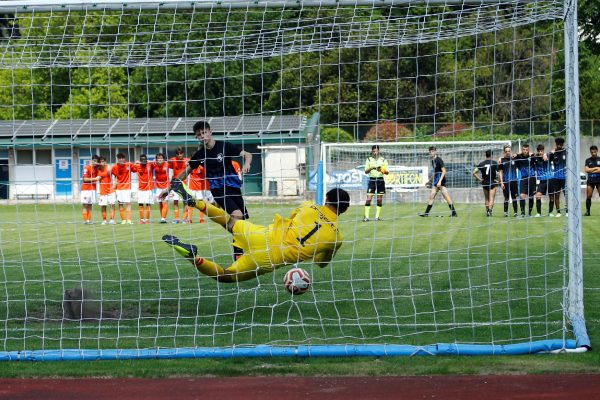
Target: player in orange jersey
{"x":178,"y":164}
{"x":161,"y":183}
{"x":88,"y":189}
{"x":122,"y":171}
{"x":145,"y":196}
{"x":107,"y":194}
{"x":200,"y":187}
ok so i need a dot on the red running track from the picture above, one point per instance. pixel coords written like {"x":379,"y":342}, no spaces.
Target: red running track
{"x":481,"y":387}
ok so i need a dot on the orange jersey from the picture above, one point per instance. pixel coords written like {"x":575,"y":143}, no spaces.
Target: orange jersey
{"x":145,"y":176}
{"x":105,"y":181}
{"x":89,"y":172}
{"x":197,"y":179}
{"x":122,"y":172}
{"x":161,"y":175}
{"x":237,"y":168}
{"x":178,"y":165}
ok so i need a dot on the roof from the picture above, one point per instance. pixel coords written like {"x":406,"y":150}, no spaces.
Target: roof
{"x":247,"y":128}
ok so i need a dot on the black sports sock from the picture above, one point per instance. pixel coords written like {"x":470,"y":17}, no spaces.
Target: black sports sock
{"x":588,"y":205}
{"x":538,"y":205}
{"x":428,"y":208}
{"x":514,"y":202}
{"x":550,"y":206}
{"x":522,"y":205}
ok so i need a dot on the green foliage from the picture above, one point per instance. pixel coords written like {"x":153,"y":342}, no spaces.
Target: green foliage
{"x":336,"y":135}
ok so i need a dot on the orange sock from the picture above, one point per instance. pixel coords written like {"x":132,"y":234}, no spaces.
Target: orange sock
{"x":129,"y":215}
{"x":176,"y":212}
{"x":141,"y":210}
{"x":148,"y":212}
{"x":104,"y":215}
{"x":85,"y":214}
{"x":122,"y":212}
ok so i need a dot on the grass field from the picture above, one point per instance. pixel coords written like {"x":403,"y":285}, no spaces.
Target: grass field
{"x":405,"y":280}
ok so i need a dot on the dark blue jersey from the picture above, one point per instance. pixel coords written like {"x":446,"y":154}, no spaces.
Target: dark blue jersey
{"x":523,"y":163}
{"x":558,"y":160}
{"x":509,"y":169}
{"x":217,"y":164}
{"x":593,"y":162}
{"x":542,"y":168}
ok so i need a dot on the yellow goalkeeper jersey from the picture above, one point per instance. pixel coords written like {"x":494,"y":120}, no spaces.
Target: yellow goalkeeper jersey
{"x":310,"y":233}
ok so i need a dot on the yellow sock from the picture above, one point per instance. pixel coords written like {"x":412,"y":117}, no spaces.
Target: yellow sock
{"x":216,"y":214}
{"x":208,"y":267}
{"x":367,"y":208}
{"x":377,"y":211}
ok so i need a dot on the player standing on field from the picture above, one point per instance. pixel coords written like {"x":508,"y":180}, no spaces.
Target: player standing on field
{"x":438,"y":183}
{"x":509,"y":180}
{"x":558,"y":161}
{"x":122,"y":172}
{"x":592,"y":169}
{"x":225,"y":185}
{"x":487,"y":174}
{"x":541,"y":165}
{"x":200,"y":188}
{"x":145,"y":196}
{"x":375,"y":167}
{"x":161,"y":183}
{"x":527,"y":179}
{"x":89,"y":177}
{"x":107,"y":194}
{"x":178,"y":164}
{"x":311,"y":233}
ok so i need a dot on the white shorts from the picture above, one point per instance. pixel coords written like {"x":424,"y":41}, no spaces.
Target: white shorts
{"x":145,"y":197}
{"x":123,"y":196}
{"x":88,"y":197}
{"x":107,"y":200}
{"x":174,"y":196}
{"x":204,"y":195}
{"x":157,"y":192}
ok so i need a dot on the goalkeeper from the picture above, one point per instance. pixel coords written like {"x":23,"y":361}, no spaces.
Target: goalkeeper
{"x":310,"y":233}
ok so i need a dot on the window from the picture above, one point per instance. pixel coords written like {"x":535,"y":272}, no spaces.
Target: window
{"x":43,"y":157}
{"x":24,"y":157}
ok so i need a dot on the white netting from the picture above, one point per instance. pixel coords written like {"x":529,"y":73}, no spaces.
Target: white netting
{"x":278,"y":80}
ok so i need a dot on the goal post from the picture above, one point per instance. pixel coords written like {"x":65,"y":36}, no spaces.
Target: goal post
{"x":306,"y":87}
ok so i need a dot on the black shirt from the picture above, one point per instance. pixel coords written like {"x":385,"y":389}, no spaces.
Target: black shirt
{"x":489,"y":171}
{"x":524,"y":164}
{"x":217,"y":164}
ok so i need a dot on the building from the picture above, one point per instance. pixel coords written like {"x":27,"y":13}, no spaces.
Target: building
{"x":43,"y":159}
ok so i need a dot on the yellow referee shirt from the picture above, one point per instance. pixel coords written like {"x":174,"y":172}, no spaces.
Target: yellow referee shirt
{"x":375,"y":163}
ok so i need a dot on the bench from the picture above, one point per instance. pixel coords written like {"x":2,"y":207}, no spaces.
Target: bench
{"x":33,"y":196}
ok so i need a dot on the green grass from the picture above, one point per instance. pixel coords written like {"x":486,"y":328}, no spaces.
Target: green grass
{"x":406,"y":280}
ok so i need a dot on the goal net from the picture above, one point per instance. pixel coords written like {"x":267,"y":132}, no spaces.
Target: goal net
{"x":306,"y":88}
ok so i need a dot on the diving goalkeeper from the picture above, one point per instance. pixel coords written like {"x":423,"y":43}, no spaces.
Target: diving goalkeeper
{"x":311,"y":232}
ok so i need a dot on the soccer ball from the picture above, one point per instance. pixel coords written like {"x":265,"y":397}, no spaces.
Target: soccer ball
{"x":296,"y":281}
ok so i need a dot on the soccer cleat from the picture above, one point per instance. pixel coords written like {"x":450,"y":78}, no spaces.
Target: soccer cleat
{"x":378,"y":219}
{"x":365,"y":219}
{"x":123,"y":222}
{"x":175,"y":221}
{"x":111,"y":222}
{"x":104,"y":222}
{"x":183,"y":191}
{"x":523,"y":215}
{"x":558,"y":215}
{"x":453,"y":214}
{"x":551,"y":215}
{"x":515,"y":215}
{"x":505,"y":214}
{"x":423,"y":214}
{"x":163,"y":221}
{"x":538,"y":215}
{"x":186,"y":250}
{"x":587,"y":214}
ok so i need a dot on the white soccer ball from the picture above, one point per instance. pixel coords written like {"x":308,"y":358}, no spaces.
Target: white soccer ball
{"x":296,"y":281}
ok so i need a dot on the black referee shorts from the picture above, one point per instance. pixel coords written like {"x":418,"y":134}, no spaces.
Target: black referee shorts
{"x":230,"y":199}
{"x":376,"y":186}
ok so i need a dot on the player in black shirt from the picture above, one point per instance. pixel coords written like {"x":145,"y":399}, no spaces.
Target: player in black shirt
{"x":592,"y":168}
{"x":558,"y":161}
{"x":225,"y":184}
{"x":527,"y":178}
{"x":543,"y":172}
{"x":438,"y":183}
{"x":487,"y":174}
{"x":509,"y":180}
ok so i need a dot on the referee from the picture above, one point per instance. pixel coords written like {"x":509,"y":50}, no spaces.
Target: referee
{"x":375,"y":167}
